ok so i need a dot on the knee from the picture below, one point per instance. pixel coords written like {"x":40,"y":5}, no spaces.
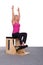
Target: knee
{"x":26,"y":34}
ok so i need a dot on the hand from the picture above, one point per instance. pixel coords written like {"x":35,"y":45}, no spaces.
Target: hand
{"x":18,"y":9}
{"x":12,"y":6}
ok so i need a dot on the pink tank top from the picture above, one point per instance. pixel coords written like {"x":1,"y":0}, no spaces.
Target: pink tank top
{"x":16,"y":27}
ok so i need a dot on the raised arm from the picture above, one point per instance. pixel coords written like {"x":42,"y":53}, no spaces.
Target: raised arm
{"x":19,"y":13}
{"x":12,"y":13}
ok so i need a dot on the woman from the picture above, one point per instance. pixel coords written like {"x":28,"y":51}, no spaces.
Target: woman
{"x":16,"y":27}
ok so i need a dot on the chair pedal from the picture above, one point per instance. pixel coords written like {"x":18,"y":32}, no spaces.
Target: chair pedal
{"x":20,"y":47}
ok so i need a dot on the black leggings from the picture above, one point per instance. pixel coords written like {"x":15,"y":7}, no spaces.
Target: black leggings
{"x":21,"y":36}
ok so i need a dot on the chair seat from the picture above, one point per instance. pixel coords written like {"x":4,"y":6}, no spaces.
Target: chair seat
{"x":10,"y":37}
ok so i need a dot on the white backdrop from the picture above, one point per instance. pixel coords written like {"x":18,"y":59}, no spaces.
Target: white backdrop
{"x":31,"y":20}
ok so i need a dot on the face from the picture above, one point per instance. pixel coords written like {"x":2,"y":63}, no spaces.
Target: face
{"x":16,"y":18}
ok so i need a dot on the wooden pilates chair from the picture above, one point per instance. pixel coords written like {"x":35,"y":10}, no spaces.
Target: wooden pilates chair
{"x":10,"y":49}
{"x":12,"y":44}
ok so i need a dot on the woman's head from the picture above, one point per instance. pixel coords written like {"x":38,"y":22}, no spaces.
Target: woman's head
{"x":16,"y":17}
